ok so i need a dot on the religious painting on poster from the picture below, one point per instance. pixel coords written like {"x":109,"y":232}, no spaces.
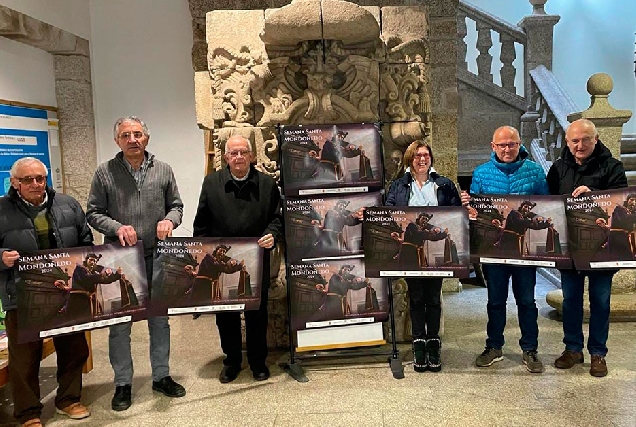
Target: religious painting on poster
{"x":206,"y":274}
{"x":319,"y":227}
{"x":602,"y":229}
{"x":331,"y":159}
{"x":519,"y":230}
{"x":335,"y":293}
{"x":74,"y":289}
{"x":429,"y":241}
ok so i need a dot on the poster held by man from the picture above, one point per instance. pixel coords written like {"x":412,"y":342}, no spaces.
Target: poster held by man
{"x":62,"y":291}
{"x":519,"y":230}
{"x":206,"y":274}
{"x":602,"y":229}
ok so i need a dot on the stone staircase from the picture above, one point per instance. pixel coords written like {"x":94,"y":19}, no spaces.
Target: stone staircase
{"x":628,"y":157}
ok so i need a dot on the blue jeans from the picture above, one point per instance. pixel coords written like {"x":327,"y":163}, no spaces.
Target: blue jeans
{"x":119,"y":344}
{"x":524,"y":280}
{"x":599,"y":293}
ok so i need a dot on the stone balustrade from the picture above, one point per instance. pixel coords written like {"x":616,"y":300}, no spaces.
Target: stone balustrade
{"x":486,"y":24}
{"x":543,"y":125}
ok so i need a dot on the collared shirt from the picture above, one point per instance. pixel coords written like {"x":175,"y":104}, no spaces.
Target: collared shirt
{"x":46,"y":198}
{"x":425,"y":196}
{"x":140,"y":173}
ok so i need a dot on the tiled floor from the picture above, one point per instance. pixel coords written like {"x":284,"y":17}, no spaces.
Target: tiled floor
{"x":366,"y":394}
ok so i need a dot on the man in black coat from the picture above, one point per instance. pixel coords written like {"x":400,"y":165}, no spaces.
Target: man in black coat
{"x":585,"y":165}
{"x":33,"y":217}
{"x":239,"y":201}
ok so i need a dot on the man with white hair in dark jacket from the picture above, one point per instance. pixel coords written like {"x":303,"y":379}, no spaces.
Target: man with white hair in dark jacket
{"x":135,"y":197}
{"x":33,"y":217}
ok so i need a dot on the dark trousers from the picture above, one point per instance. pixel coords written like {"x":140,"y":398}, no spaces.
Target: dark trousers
{"x":524,"y":280}
{"x":24,"y":369}
{"x":426,"y":310}
{"x":600,"y":289}
{"x":229,"y":325}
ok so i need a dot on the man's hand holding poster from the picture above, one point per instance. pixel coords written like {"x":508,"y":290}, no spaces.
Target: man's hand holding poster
{"x":416,"y":241}
{"x":68,"y":290}
{"x":206,"y":274}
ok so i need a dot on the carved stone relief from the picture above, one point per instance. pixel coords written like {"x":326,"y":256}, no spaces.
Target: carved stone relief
{"x":315,"y":62}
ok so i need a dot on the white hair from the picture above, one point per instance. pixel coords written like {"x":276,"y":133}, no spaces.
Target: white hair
{"x":25,"y":161}
{"x":249,"y":144}
{"x":135,"y":119}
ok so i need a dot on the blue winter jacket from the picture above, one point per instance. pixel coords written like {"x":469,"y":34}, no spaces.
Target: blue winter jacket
{"x":523,"y":176}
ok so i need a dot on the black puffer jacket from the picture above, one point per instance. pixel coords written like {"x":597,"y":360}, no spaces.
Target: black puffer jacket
{"x":17,"y":232}
{"x":599,"y":172}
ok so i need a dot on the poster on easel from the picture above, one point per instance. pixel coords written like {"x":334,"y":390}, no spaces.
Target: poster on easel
{"x":602,"y":229}
{"x":318,"y":227}
{"x":68,"y":290}
{"x":330,"y":295}
{"x":331,"y":159}
{"x":519,"y":230}
{"x":206,"y":275}
{"x":430,"y":241}
{"x":329,"y":174}
{"x":29,"y":132}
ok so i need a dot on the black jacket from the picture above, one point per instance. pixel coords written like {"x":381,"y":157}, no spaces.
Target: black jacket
{"x":239,"y":209}
{"x":599,"y":172}
{"x":17,"y":232}
{"x":400,"y":191}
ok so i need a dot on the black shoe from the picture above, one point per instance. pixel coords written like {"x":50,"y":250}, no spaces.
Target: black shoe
{"x":229,"y":373}
{"x":260,"y":374}
{"x":420,"y":359}
{"x":122,"y":398}
{"x":169,"y":387}
{"x":434,"y":354}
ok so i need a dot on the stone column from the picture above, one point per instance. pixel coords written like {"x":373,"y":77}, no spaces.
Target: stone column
{"x":609,"y":123}
{"x":539,"y":28}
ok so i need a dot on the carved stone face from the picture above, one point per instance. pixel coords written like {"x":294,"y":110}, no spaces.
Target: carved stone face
{"x":396,"y":157}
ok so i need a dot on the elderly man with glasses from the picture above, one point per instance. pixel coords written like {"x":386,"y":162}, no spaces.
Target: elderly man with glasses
{"x":135,"y":196}
{"x":239,"y":201}
{"x":509,"y":171}
{"x":35,"y":217}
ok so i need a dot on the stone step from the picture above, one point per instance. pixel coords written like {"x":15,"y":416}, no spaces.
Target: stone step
{"x":629,"y":161}
{"x":628,"y":144}
{"x":631,"y":178}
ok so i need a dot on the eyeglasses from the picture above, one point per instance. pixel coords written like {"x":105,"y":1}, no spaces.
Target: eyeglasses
{"x":28,"y":180}
{"x":504,"y":145}
{"x":126,"y":135}
{"x":422,"y":156}
{"x":236,"y":153}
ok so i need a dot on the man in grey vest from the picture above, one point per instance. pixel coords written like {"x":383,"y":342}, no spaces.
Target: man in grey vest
{"x":134,"y":196}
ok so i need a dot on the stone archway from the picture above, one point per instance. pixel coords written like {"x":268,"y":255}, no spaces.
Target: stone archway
{"x":74,"y":93}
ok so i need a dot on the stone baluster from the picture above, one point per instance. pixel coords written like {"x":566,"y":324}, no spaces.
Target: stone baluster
{"x":484,"y":43}
{"x":462,"y":31}
{"x":507,"y":57}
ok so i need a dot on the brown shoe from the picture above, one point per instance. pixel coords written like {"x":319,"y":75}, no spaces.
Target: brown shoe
{"x":75,"y":411}
{"x":598,"y":367}
{"x":568,"y":359}
{"x":35,"y":422}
